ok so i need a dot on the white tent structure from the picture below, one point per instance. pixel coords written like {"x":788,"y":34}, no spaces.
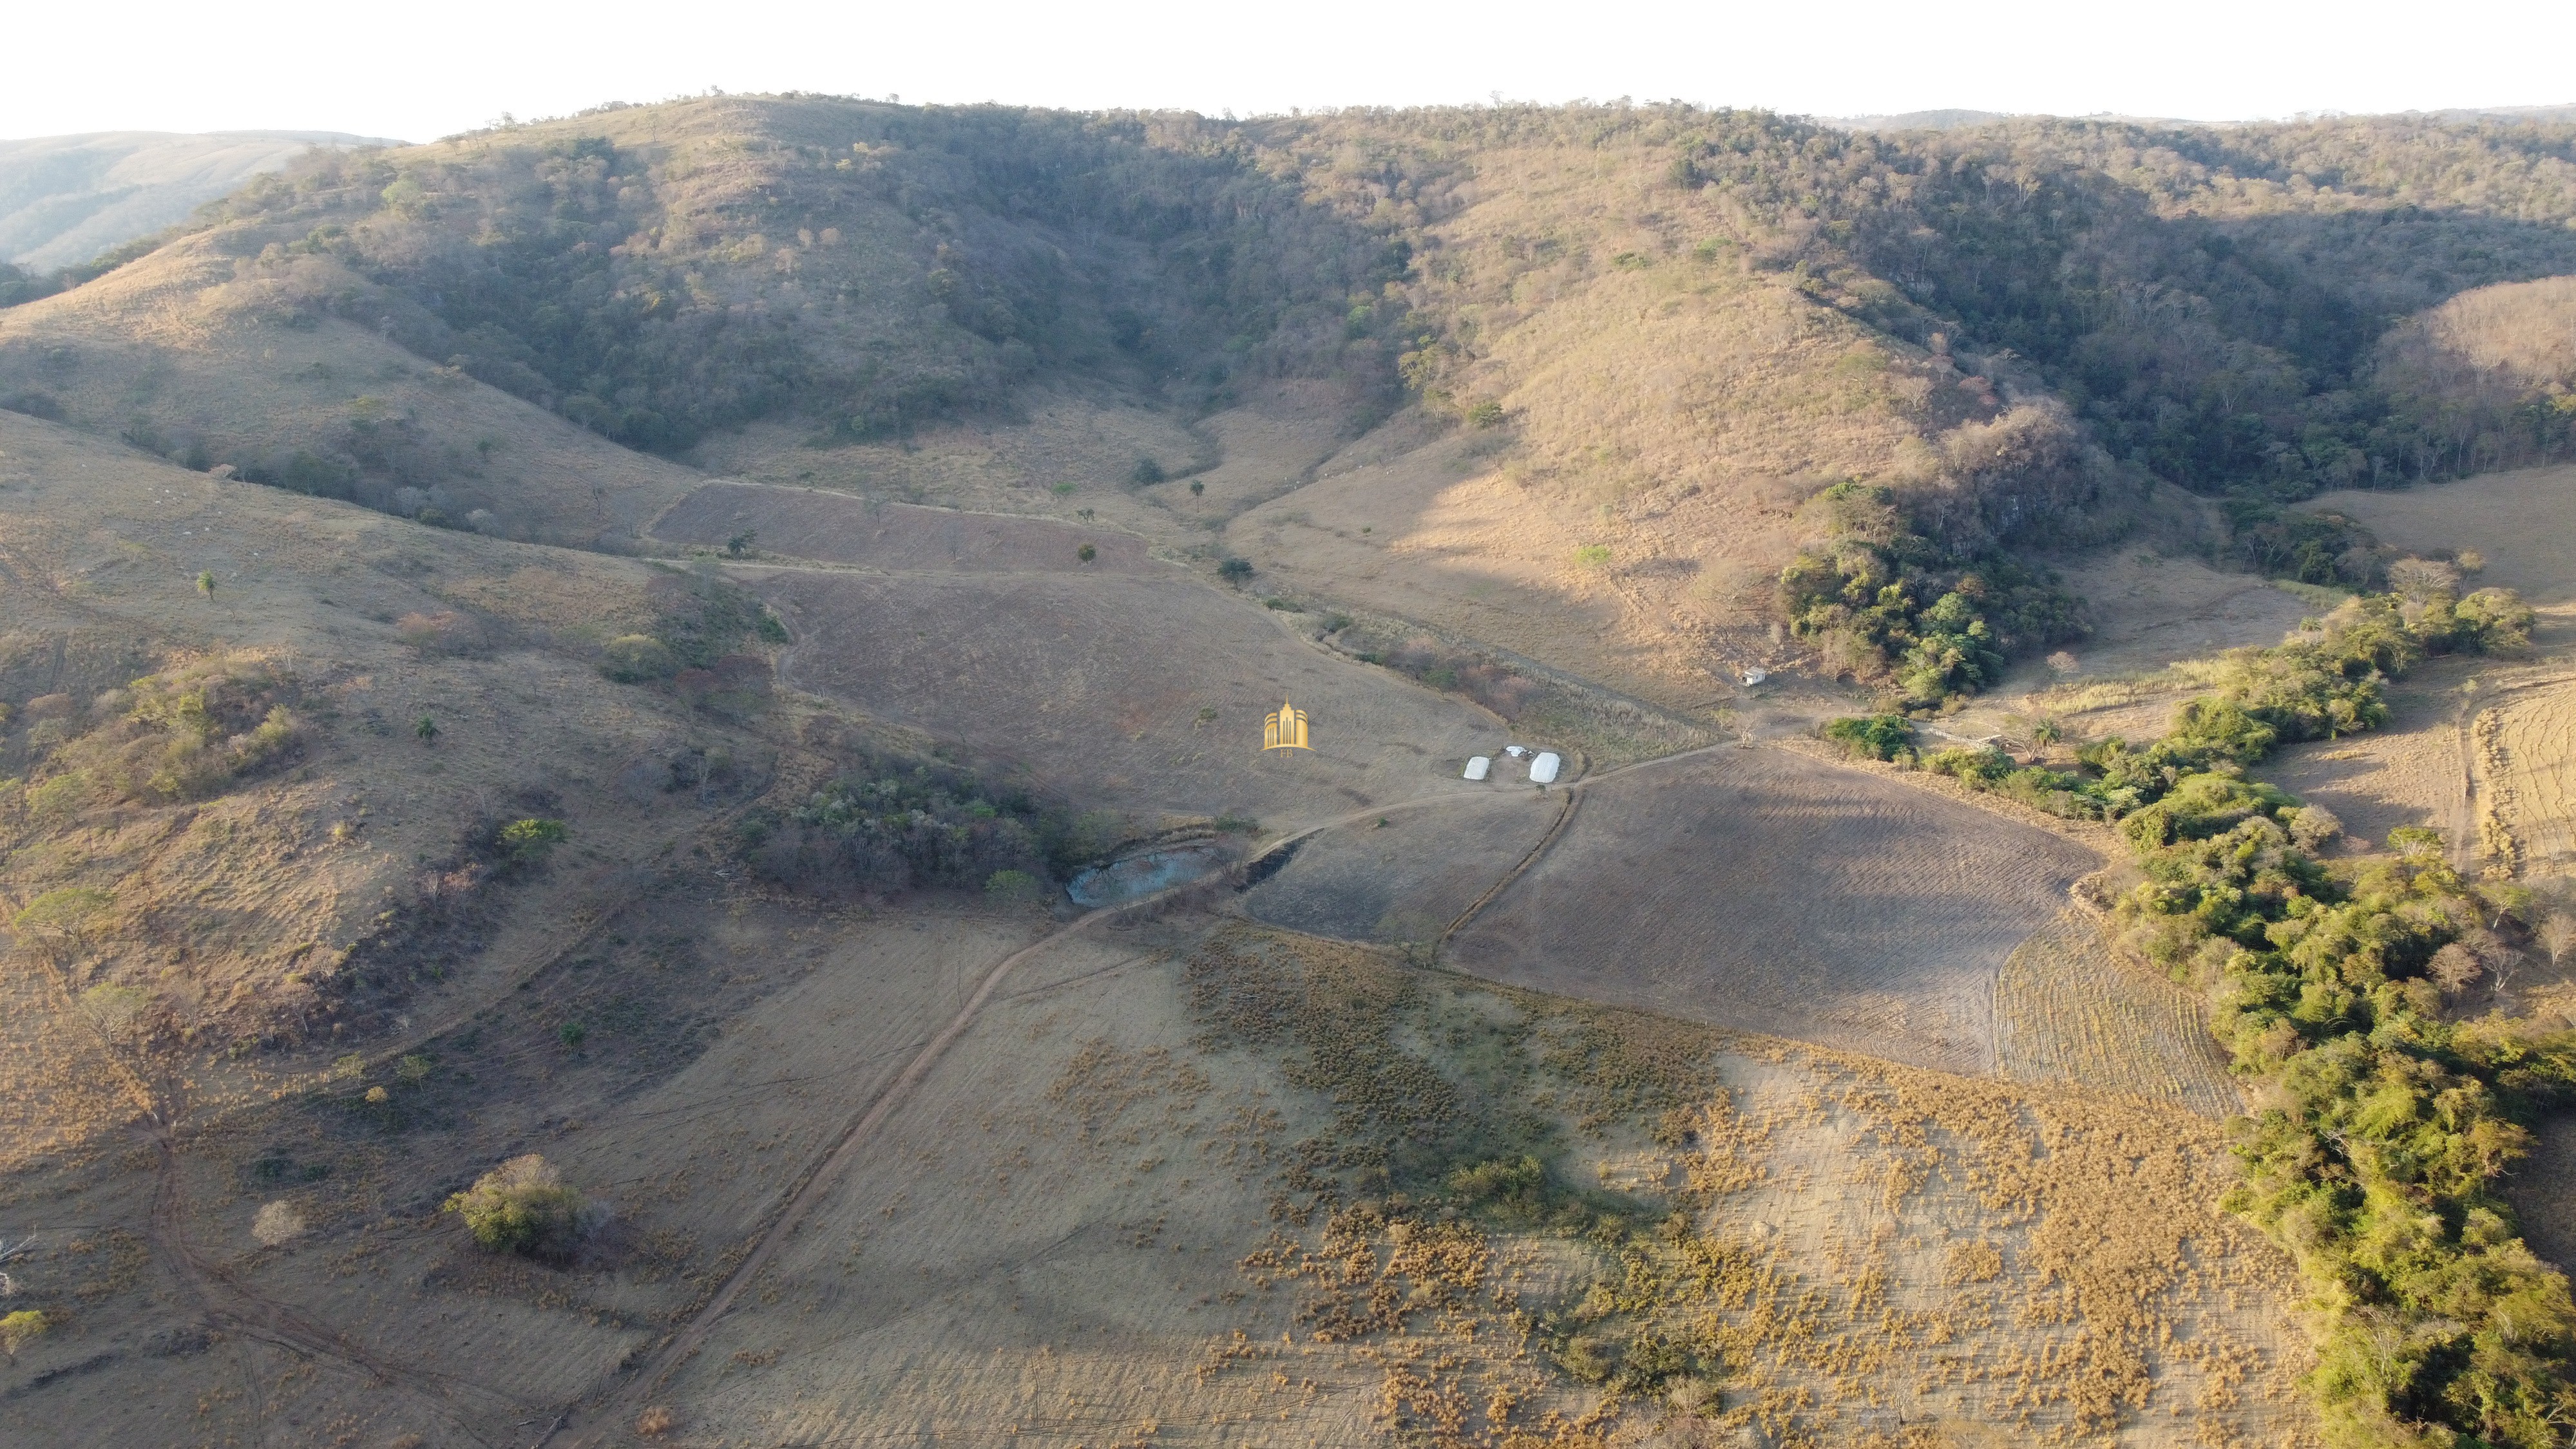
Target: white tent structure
{"x":1543,"y":769}
{"x":1480,"y":766}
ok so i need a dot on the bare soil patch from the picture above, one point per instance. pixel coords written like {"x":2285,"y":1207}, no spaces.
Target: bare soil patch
{"x":1759,"y":890}
{"x":838,"y":528}
{"x":2543,"y":1192}
{"x":1407,"y":875}
{"x":2413,"y":771}
{"x":1135,"y":694}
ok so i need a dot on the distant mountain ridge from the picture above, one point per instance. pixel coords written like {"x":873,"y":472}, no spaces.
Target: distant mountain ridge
{"x":65,"y":199}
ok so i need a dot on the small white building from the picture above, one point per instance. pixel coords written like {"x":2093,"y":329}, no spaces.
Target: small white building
{"x":1755,"y":675}
{"x":1479,"y":767}
{"x":1515,"y":751}
{"x":1543,"y":769}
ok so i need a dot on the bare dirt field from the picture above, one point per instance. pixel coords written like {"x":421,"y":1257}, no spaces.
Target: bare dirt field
{"x":2525,"y":748}
{"x":839,"y":528}
{"x":2524,"y":522}
{"x":1130,"y":693}
{"x":1407,"y":875}
{"x":2412,"y":772}
{"x":2068,"y":1010}
{"x":2149,"y":611}
{"x":1763,"y":891}
{"x":2543,"y":1192}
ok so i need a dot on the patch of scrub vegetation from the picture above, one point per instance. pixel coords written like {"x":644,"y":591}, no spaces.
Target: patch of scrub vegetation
{"x":2386,"y":1124}
{"x":890,"y":823}
{"x":1441,"y":1225}
{"x":525,"y":1207}
{"x":1884,"y":603}
{"x":698,"y":623}
{"x":184,"y":734}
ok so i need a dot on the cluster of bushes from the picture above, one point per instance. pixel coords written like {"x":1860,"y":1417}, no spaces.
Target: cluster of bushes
{"x":2388,"y":1123}
{"x":892,"y":824}
{"x":2189,"y":782}
{"x":1881,"y":604}
{"x":698,"y":623}
{"x":183,"y":734}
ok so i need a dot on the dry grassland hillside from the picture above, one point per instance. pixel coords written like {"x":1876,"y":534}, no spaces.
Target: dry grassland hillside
{"x":215,"y":359}
{"x":896,"y":1166}
{"x":466,"y":987}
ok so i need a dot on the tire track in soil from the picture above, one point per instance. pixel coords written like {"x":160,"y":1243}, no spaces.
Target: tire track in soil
{"x":817,"y":1182}
{"x":228,"y":1303}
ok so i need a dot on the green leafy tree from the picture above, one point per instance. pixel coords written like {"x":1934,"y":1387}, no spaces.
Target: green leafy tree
{"x":523,"y":1206}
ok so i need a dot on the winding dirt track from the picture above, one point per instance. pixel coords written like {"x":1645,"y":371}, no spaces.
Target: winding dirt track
{"x":226,"y":1300}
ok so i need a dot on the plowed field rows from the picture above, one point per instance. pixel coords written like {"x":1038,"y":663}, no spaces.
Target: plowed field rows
{"x":838,"y":528}
{"x":1772,"y":893}
{"x":1145,"y":695}
{"x":2067,"y":1010}
{"x":1408,"y":879}
{"x":2530,"y":782}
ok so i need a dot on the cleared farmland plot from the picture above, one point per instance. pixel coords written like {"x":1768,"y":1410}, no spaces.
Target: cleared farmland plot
{"x":1764,"y":891}
{"x":1408,"y":879}
{"x":2527,"y":767}
{"x":1137,"y":694}
{"x":2068,"y":1010}
{"x":838,"y":528}
{"x":2524,"y":522}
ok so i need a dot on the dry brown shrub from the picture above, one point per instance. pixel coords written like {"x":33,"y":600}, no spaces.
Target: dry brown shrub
{"x":655,"y":1422}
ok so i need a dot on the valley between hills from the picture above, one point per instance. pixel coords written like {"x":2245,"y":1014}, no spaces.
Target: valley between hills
{"x":634,"y":807}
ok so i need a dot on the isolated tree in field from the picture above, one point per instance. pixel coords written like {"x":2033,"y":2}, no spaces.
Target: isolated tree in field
{"x":427,"y":730}
{"x":740,"y":543}
{"x":1235,"y":570}
{"x":523,"y":1206}
{"x":1197,"y":488}
{"x":1147,"y":473}
{"x":21,"y":1328}
{"x":1086,"y":553}
{"x":206,"y":582}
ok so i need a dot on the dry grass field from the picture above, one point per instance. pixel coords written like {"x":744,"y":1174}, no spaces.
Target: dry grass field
{"x":838,"y":528}
{"x":2069,"y":1010}
{"x":195,"y":349}
{"x":2523,"y":521}
{"x":1764,"y":891}
{"x":1136,"y":694}
{"x":2412,"y":772}
{"x":2525,"y":750}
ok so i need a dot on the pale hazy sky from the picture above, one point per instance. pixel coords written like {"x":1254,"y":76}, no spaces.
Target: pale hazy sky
{"x":424,"y":70}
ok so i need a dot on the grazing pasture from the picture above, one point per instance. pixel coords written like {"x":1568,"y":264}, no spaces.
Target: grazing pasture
{"x":839,"y":528}
{"x":1768,"y":892}
{"x":1138,"y":694}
